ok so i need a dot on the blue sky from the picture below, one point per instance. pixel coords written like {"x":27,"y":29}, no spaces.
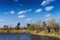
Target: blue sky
{"x":28,"y":11}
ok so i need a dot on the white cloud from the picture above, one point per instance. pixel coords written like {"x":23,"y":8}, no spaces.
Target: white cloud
{"x":45,"y":2}
{"x":12,"y":12}
{"x":38,"y":10}
{"x":21,"y":16}
{"x":22,"y":12}
{"x":28,"y":19}
{"x":49,"y":8}
{"x":48,"y":15}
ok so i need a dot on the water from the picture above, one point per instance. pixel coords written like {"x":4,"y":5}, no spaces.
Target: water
{"x":24,"y":37}
{"x":15,"y":37}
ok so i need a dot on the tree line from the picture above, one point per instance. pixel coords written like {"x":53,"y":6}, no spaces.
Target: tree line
{"x":49,"y":26}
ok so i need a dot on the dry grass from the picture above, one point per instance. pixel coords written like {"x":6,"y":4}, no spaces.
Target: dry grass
{"x":57,"y":35}
{"x":43,"y":33}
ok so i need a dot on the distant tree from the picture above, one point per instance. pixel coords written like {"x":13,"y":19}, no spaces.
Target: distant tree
{"x":5,"y":27}
{"x":32,"y":27}
{"x":37,"y":26}
{"x":56,"y":28}
{"x":43,"y":25}
{"x":17,"y":26}
{"x":28,"y":25}
{"x":48,"y":28}
{"x":53,"y":25}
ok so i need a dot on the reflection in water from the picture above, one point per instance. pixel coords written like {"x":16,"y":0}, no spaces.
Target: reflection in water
{"x":24,"y":37}
{"x":37,"y":37}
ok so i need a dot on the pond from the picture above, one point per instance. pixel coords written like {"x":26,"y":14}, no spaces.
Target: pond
{"x":23,"y":36}
{"x":15,"y":37}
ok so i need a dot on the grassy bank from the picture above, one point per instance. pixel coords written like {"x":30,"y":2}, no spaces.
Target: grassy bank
{"x":13,"y":31}
{"x":57,"y":35}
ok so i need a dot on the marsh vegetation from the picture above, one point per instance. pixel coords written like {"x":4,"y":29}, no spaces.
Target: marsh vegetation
{"x":49,"y":28}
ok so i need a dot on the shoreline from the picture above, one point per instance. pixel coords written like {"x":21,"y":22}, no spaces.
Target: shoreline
{"x":29,"y":32}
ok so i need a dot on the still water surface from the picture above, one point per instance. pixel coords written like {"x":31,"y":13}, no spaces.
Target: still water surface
{"x":15,"y":37}
{"x":24,"y":37}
